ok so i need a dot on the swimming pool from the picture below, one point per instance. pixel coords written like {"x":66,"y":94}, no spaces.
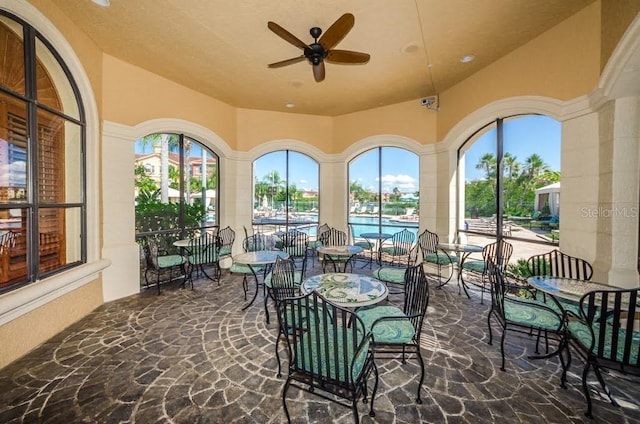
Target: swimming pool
{"x":365,"y":224}
{"x":361,"y":224}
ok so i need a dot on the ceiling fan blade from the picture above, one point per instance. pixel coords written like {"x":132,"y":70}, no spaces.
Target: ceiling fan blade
{"x":318,"y":71}
{"x":286,"y":35}
{"x":337,"y":31}
{"x":287,"y":62}
{"x":346,"y":56}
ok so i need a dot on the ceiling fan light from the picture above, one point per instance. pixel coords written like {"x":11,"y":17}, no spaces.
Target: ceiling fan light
{"x":289,"y":105}
{"x":103,"y":3}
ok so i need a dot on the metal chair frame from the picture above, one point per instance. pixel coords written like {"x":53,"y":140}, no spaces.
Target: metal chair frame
{"x":414,"y":308}
{"x":610,"y":319}
{"x":329,"y":352}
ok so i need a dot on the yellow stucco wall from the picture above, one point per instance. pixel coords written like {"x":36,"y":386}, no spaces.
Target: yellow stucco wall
{"x":133,"y":95}
{"x":32,"y":329}
{"x":562,"y":63}
{"x":408,"y":119}
{"x":258,"y":126}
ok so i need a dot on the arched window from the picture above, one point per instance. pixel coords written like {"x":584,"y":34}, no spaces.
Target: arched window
{"x":176,"y":185}
{"x":510,"y":183}
{"x":285,"y":192}
{"x":384,"y":191}
{"x":42,"y":164}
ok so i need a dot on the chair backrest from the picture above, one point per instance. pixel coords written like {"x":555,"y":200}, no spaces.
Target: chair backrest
{"x":205,"y":249}
{"x":283,"y":281}
{"x":428,"y":242}
{"x":151,"y":252}
{"x":296,"y":244}
{"x":403,"y":251}
{"x":498,"y":288}
{"x":333,"y":237}
{"x":227,"y":237}
{"x":322,"y":229}
{"x":613,"y":319}
{"x":558,"y":264}
{"x":402,"y":242}
{"x":498,"y":252}
{"x":259,"y":241}
{"x":416,"y":297}
{"x":327,"y":345}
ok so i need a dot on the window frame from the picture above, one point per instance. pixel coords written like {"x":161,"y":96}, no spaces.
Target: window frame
{"x":33,"y":204}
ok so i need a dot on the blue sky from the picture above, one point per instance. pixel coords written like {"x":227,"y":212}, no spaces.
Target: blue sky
{"x":523,"y":136}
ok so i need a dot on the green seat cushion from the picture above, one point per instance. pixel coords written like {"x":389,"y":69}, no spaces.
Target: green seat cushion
{"x":390,"y":274}
{"x":243,"y":269}
{"x":475,"y":266}
{"x":297,"y":277}
{"x":387,"y":331}
{"x":225,"y":251}
{"x":579,"y":330}
{"x":203,"y":258}
{"x":395,"y":251}
{"x":168,"y":261}
{"x":564,"y":305}
{"x":440,"y":258}
{"x":330,"y":366}
{"x":530,"y":313}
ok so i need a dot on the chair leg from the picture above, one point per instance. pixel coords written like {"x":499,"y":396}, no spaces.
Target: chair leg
{"x":284,"y":399}
{"x":354,"y":408}
{"x":278,"y":355}
{"x":565,"y":365}
{"x":372,"y":413}
{"x":604,"y":386}
{"x":419,"y":399}
{"x":266,"y":309}
{"x":489,"y":325}
{"x":504,"y":335}
{"x":585,"y":388}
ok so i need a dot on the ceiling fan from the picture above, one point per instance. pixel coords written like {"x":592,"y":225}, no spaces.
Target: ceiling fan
{"x":322,"y":47}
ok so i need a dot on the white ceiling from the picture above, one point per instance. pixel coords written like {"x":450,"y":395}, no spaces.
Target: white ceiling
{"x":222,"y":47}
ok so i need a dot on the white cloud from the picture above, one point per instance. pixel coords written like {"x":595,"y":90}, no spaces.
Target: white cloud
{"x":405,"y":183}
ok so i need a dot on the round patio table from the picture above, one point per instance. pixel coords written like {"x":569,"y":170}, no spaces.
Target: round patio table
{"x":257,"y":258}
{"x":336,"y":255}
{"x":463,"y":250}
{"x":379,"y":239}
{"x":346,"y":290}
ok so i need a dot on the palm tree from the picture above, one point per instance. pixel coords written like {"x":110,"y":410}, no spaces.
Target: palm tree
{"x":534,"y":166}
{"x":487,"y":162}
{"x":167,"y":142}
{"x":511,"y":165}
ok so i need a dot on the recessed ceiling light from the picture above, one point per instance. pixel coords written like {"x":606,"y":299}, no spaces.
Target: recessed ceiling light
{"x":467,"y":58}
{"x":290,"y":105}
{"x":410,"y":48}
{"x":103,"y":3}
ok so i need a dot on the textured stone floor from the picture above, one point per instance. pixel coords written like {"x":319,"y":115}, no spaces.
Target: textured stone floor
{"x":193,"y":356}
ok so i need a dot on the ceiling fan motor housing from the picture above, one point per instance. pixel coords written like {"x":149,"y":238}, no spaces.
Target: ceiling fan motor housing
{"x":315,"y":53}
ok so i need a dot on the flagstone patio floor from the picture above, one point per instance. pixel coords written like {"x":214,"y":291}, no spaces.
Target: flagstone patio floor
{"x":193,"y":356}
